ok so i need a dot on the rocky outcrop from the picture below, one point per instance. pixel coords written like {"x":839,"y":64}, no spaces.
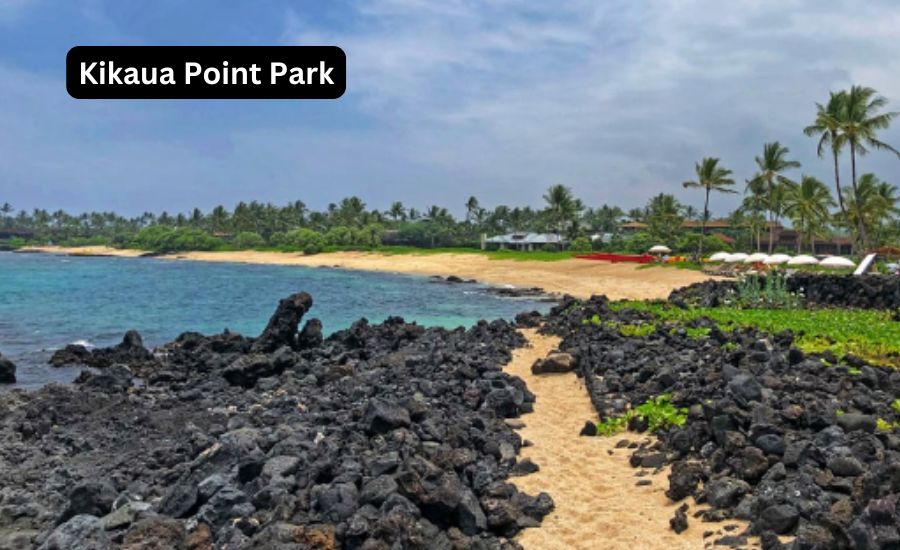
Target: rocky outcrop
{"x":7,"y":371}
{"x":130,"y":351}
{"x":378,"y":436}
{"x":282,"y":327}
{"x":771,"y":435}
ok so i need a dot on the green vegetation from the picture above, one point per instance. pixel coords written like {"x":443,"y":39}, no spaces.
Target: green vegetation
{"x":518,"y":255}
{"x":165,"y":239}
{"x":773,"y":294}
{"x":869,"y":334}
{"x":625,"y":329}
{"x":883,"y":425}
{"x":658,"y":413}
{"x":710,"y":177}
{"x":580,"y":245}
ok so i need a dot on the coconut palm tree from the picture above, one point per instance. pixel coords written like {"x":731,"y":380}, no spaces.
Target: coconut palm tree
{"x":560,"y":207}
{"x":397,"y":211}
{"x":873,"y":203}
{"x":807,"y":206}
{"x":472,"y":207}
{"x":772,"y":164}
{"x":710,"y":177}
{"x":860,"y":122}
{"x":663,"y":216}
{"x":754,"y":205}
{"x":828,"y":127}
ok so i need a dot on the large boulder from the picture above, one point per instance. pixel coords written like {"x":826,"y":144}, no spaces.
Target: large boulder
{"x":82,"y":532}
{"x":7,"y":371}
{"x":555,"y":362}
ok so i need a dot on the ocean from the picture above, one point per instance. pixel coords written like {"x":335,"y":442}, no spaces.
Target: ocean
{"x":48,"y":301}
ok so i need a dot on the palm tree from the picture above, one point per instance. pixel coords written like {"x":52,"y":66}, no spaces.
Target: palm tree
{"x":397,"y":211}
{"x":663,"y":216}
{"x":807,"y":206}
{"x":873,"y":202}
{"x":771,"y":165}
{"x":859,"y":125}
{"x":472,"y":207}
{"x":828,"y":125}
{"x":560,"y":207}
{"x":754,"y":205}
{"x":6,"y":210}
{"x":710,"y":177}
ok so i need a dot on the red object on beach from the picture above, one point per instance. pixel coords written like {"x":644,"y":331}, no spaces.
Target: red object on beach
{"x":615,"y":258}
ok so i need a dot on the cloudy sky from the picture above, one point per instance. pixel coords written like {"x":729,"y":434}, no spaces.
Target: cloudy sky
{"x":616,"y":99}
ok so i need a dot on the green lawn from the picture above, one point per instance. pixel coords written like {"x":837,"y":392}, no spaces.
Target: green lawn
{"x":536,"y":256}
{"x":870,"y":334}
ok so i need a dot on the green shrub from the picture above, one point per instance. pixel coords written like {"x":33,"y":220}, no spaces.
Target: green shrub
{"x":581,"y":245}
{"x":162,"y":239}
{"x":246,"y":240}
{"x":307,"y":240}
{"x":688,"y":243}
{"x":278,"y":238}
{"x":640,"y":242}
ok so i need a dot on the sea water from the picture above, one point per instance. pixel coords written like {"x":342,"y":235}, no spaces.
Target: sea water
{"x":48,"y":301}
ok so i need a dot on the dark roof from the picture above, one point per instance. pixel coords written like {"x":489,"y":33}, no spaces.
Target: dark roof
{"x":15,"y":232}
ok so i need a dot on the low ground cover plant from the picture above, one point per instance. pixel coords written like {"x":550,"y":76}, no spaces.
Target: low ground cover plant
{"x":658,"y":413}
{"x":870,"y":334}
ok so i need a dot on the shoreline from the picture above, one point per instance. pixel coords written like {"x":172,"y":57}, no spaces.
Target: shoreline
{"x":579,"y":278}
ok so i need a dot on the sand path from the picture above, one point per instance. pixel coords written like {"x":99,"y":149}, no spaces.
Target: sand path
{"x":598,"y":505}
{"x":580,"y":278}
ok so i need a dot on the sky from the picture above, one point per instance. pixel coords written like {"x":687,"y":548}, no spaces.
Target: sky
{"x":616,"y":99}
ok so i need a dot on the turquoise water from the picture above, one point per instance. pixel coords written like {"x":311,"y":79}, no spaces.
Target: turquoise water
{"x":49,"y":301}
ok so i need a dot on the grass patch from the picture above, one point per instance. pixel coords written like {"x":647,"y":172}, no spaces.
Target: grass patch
{"x":869,"y":334}
{"x":516,"y":255}
{"x":658,"y":413}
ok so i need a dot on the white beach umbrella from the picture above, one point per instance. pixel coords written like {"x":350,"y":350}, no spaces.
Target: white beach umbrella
{"x":836,"y":261}
{"x":803,"y":259}
{"x":736,"y":257}
{"x":660,"y":249}
{"x":756,"y":257}
{"x":719,"y":257}
{"x":777,"y":259}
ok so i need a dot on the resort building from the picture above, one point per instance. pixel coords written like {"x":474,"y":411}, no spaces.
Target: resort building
{"x":524,"y":241}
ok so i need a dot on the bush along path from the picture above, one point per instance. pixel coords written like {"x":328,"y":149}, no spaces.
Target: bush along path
{"x":756,"y":429}
{"x":377,"y":437}
{"x":601,"y":502}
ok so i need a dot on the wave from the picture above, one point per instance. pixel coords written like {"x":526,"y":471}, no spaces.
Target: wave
{"x":85,"y":343}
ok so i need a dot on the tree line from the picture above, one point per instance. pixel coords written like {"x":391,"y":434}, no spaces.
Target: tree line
{"x":847,"y":124}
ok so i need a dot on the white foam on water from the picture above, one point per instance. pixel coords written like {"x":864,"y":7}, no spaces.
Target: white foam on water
{"x":85,"y":343}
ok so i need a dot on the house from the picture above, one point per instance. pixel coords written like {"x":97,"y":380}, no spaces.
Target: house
{"x":524,"y":241}
{"x":12,"y":233}
{"x":632,"y":227}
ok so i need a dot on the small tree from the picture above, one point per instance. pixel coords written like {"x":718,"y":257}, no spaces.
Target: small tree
{"x":710,"y":177}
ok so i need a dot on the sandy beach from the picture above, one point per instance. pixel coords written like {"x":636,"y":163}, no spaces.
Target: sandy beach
{"x":598,"y":504}
{"x":580,"y":278}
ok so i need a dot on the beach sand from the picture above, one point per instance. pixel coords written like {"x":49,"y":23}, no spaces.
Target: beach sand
{"x":598,"y":505}
{"x":580,"y":278}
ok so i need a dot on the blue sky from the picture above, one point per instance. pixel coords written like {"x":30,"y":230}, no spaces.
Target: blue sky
{"x":616,"y":99}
